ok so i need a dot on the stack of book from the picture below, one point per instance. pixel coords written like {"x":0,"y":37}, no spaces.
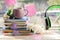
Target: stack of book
{"x":21,"y":27}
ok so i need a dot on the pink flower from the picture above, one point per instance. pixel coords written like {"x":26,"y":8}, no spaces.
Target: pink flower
{"x":37,"y":37}
{"x":10,"y":2}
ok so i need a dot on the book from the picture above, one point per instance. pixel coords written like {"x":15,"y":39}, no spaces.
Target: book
{"x":19,"y":34}
{"x":16,"y":20}
{"x":16,"y":29}
{"x":20,"y":31}
{"x":9,"y":24}
{"x":22,"y":26}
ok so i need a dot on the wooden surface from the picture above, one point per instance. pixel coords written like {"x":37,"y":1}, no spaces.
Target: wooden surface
{"x":31,"y":37}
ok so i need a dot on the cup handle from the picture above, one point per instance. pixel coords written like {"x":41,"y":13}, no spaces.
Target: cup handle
{"x":26,"y":11}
